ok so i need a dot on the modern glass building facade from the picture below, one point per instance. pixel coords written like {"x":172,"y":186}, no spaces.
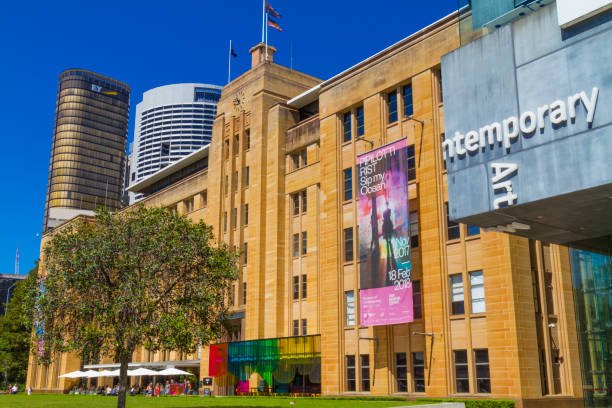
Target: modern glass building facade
{"x":88,"y":150}
{"x":592,"y":280}
{"x":172,"y":121}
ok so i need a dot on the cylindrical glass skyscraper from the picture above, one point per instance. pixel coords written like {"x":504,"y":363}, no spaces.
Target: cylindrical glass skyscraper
{"x":89,"y":141}
{"x":172,"y":121}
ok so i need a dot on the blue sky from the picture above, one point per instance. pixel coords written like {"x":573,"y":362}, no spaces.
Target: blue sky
{"x":148,"y":44}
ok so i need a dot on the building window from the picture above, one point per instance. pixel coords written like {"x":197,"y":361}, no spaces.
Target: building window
{"x":348,"y":183}
{"x":246,"y":251}
{"x":360,"y":122}
{"x":296,"y":287}
{"x":304,"y":200}
{"x":189,"y":205}
{"x":246,"y":214}
{"x":392,"y":105}
{"x":462,"y":381}
{"x":346,"y":127}
{"x":477,"y":292}
{"x":165,"y":149}
{"x":226,"y":185}
{"x":247,"y":178}
{"x":233,"y":295}
{"x":296,"y":203}
{"x":348,"y":244}
{"x":418,"y":371}
{"x":472,"y":230}
{"x":414,"y":229}
{"x":303,"y":158}
{"x":296,"y":327}
{"x":234,"y":217}
{"x":204,"y":198}
{"x":457,"y":294}
{"x":227,"y":149}
{"x":452,"y":227}
{"x":304,"y":327}
{"x":236,"y":144}
{"x":401,"y":372}
{"x":304,"y":286}
{"x":349,"y":307}
{"x":248,"y":139}
{"x":483,"y":376}
{"x":304,"y":243}
{"x":350,"y":373}
{"x":225,"y":221}
{"x":443,"y":136}
{"x":365,"y":372}
{"x":296,"y":245}
{"x":407,"y":94}
{"x":416,"y":299}
{"x":295,"y":158}
{"x":236,"y":181}
{"x":244,"y":293}
{"x":411,"y":164}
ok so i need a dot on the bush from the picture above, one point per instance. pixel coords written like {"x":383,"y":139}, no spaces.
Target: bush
{"x":473,"y":403}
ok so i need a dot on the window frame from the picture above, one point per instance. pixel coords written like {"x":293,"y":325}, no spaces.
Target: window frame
{"x":408,"y":112}
{"x":401,"y":372}
{"x":296,"y":245}
{"x":347,"y":178}
{"x":304,"y":287}
{"x":458,"y":310}
{"x":351,"y":373}
{"x":480,"y":297}
{"x":392,"y":115}
{"x":347,"y":133}
{"x":349,"y":240}
{"x":304,"y":242}
{"x":461,"y":380}
{"x":484,"y":380}
{"x":364,"y":369}
{"x":416,"y":368}
{"x":296,"y":288}
{"x":417,"y":299}
{"x":348,"y":315}
{"x":451,"y":226}
{"x":360,"y":120}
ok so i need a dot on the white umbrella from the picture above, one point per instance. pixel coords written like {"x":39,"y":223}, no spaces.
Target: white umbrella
{"x":107,"y":373}
{"x":91,"y":374}
{"x":141,"y":371}
{"x":173,"y":371}
{"x":74,"y":374}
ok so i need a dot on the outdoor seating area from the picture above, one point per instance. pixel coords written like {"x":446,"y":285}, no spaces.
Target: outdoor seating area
{"x":145,"y":376}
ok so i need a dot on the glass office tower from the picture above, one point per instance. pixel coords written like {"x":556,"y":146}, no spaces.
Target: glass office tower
{"x":88,"y":150}
{"x":592,"y":281}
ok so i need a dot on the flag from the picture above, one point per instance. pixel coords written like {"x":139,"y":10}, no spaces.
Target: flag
{"x":274,"y":24}
{"x":270,"y":10}
{"x":233,"y":52}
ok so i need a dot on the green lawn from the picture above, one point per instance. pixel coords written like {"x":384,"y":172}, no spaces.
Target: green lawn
{"x":94,"y":401}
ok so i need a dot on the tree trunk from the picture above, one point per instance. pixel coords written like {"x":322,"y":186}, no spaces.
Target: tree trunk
{"x":123,"y":381}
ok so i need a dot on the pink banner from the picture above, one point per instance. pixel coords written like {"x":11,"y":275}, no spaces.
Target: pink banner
{"x":386,"y":306}
{"x":385,"y":270}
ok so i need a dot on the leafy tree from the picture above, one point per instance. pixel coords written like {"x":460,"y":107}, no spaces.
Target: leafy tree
{"x":145,"y":276}
{"x":15,"y":331}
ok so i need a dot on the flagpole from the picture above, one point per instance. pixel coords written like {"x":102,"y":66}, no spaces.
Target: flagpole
{"x":263,"y":19}
{"x":229,"y":63}
{"x":266,"y":36}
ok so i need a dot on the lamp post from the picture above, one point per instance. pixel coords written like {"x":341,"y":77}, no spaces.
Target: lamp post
{"x":8,"y":294}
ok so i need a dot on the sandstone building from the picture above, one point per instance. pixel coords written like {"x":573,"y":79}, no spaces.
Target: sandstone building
{"x":494,"y":313}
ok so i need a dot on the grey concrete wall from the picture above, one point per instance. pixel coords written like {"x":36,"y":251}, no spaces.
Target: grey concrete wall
{"x":516,"y":68}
